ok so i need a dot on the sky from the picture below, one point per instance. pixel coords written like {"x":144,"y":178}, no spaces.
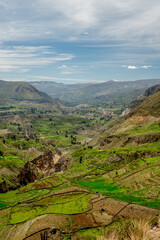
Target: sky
{"x":73,"y":41}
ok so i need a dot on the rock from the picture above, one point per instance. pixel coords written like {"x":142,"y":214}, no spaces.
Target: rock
{"x":62,"y":164}
{"x":44,"y":162}
{"x":51,"y":163}
{"x":126,"y":111}
{"x":26,"y":175}
{"x":3,"y":187}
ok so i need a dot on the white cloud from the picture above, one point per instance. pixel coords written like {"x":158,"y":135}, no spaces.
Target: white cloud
{"x":68,"y":70}
{"x":10,"y":68}
{"x":23,"y":58}
{"x":146,"y":67}
{"x":57,"y":79}
{"x":63,"y":67}
{"x":136,"y":67}
{"x":132,"y":67}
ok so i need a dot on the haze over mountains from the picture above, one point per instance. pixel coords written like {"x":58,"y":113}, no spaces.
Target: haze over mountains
{"x":88,"y":92}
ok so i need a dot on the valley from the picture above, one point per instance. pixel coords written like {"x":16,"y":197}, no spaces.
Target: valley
{"x":80,"y":169}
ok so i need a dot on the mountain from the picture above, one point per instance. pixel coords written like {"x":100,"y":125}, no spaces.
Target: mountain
{"x":21,"y":91}
{"x":55,"y":90}
{"x":88,"y":92}
{"x":118,"y":100}
{"x":24,"y":94}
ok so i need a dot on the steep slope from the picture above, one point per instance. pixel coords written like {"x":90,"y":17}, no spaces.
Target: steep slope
{"x":137,"y":126}
{"x":150,"y":106}
{"x":146,"y":94}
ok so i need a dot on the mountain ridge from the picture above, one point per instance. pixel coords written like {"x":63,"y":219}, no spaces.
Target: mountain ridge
{"x":87,"y":92}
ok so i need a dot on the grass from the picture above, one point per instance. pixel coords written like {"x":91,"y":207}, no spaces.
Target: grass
{"x":99,"y":162}
{"x":115,"y":191}
{"x":143,"y":129}
{"x":128,"y":229}
{"x":13,"y":197}
{"x":130,"y":173}
{"x":135,"y":182}
{"x":31,"y":193}
{"x":63,"y":204}
{"x":48,"y":182}
{"x":22,"y":214}
{"x":9,"y":160}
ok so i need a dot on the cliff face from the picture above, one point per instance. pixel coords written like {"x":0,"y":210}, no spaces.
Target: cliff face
{"x":26,"y":175}
{"x":51,"y":163}
{"x":44,"y":165}
{"x":62,"y":164}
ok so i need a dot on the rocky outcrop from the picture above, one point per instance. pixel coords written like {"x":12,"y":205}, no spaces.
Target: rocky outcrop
{"x":26,"y":175}
{"x":132,"y":140}
{"x":50,"y":163}
{"x":44,"y":163}
{"x":62,"y":164}
{"x":148,"y":93}
{"x":126,"y":111}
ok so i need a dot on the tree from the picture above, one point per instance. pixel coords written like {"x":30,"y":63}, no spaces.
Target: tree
{"x":80,"y":160}
{"x":1,"y":153}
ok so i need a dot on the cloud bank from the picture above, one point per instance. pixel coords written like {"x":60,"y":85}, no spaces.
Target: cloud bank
{"x":81,"y":20}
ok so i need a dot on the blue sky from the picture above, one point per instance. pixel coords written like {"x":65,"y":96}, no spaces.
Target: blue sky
{"x":79,"y":41}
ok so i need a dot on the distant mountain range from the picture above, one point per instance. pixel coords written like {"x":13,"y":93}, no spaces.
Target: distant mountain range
{"x":87,"y":92}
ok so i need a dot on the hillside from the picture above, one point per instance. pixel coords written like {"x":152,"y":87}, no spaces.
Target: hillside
{"x":56,"y":183}
{"x":88,"y":92}
{"x":151,"y":106}
{"x":141,"y":120}
{"x":21,"y":93}
{"x":117,"y":100}
{"x":149,"y":103}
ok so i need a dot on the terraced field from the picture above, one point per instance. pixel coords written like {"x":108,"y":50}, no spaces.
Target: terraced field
{"x":65,"y":205}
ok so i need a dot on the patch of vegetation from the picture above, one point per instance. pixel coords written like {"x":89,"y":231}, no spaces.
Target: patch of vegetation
{"x":64,"y":204}
{"x":118,"y":192}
